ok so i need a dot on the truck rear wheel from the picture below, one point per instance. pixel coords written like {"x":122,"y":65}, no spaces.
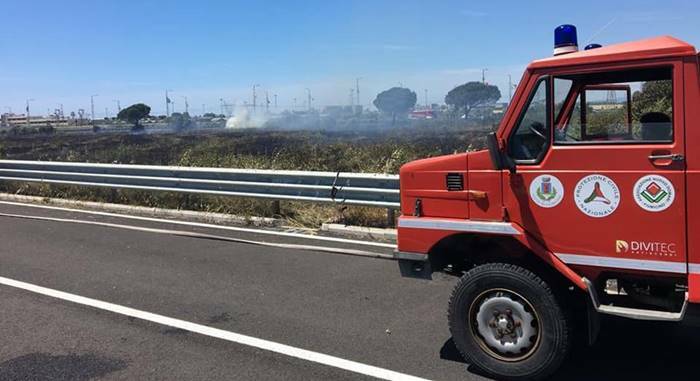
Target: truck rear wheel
{"x":505,"y":320}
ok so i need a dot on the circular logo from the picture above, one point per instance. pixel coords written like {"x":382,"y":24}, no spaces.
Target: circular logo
{"x":654,"y":193}
{"x":597,"y":195}
{"x":546,"y":191}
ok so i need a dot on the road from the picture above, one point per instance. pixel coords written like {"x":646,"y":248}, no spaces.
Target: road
{"x":351,"y":307}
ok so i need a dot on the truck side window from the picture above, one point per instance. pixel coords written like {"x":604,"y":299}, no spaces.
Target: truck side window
{"x":562,"y":88}
{"x":531,"y":137}
{"x":620,"y":107}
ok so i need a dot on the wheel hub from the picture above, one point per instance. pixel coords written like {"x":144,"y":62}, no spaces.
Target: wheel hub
{"x":506,"y":324}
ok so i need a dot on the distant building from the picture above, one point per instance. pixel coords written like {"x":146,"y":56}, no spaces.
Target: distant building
{"x":340,"y":111}
{"x":15,"y":120}
{"x":500,"y":108}
{"x":422,"y":114}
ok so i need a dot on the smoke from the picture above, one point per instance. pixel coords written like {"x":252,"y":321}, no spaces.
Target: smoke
{"x":242,"y":118}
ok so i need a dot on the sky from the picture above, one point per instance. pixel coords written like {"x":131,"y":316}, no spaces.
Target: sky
{"x":62,"y":52}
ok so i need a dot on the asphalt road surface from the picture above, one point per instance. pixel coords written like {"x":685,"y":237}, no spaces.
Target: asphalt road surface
{"x":351,"y":307}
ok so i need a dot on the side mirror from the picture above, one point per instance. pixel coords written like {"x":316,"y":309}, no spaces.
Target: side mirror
{"x":499,"y":159}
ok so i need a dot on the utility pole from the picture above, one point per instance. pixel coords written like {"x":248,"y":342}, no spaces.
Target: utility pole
{"x":187,"y":105}
{"x":60,"y":105}
{"x":510,"y":88}
{"x":357,"y":90}
{"x":28,"y":100}
{"x":255,"y":97}
{"x":119,"y":105}
{"x":295,"y":105}
{"x":167,"y":103}
{"x":483,"y":76}
{"x":308,"y":91}
{"x":92,"y":106}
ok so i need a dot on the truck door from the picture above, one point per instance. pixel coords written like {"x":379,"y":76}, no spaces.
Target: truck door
{"x":600,"y":168}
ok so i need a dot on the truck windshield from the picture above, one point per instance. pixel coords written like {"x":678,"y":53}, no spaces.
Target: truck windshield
{"x":532,"y":134}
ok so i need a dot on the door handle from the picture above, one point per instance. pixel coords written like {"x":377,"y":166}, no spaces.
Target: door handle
{"x":670,"y":156}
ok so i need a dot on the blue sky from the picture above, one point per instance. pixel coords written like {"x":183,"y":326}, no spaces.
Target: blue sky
{"x":64,"y":51}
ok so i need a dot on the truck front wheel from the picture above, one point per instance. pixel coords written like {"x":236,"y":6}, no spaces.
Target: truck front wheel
{"x":505,"y":320}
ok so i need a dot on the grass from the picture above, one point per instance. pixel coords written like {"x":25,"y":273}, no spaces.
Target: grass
{"x":364,"y":151}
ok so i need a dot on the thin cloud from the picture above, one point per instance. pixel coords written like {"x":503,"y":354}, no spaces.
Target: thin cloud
{"x":463,"y":71}
{"x":646,"y":17}
{"x":473,"y":13}
{"x":397,"y":48}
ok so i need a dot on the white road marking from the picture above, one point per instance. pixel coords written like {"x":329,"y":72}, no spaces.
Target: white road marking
{"x":205,"y":225}
{"x":272,"y":346}
{"x":184,"y":233}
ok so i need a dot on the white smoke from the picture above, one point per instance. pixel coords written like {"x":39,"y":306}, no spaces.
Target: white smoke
{"x":242,"y":118}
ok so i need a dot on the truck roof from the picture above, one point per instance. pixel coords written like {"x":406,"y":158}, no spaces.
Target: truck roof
{"x":657,"y":47}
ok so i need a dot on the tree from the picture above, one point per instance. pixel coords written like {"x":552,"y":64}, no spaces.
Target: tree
{"x":654,"y":96}
{"x":180,"y":121}
{"x":134,"y":114}
{"x":472,"y":94}
{"x":395,"y":101}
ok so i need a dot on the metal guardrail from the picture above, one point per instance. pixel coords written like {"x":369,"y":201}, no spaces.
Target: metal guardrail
{"x":366,"y":189}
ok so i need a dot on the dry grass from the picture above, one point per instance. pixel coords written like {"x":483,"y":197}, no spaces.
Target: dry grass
{"x":382,"y":152}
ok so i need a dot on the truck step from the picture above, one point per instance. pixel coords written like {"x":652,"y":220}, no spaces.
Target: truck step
{"x":635,"y":313}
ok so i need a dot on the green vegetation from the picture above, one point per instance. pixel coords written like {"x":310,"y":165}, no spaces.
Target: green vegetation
{"x":181,"y":121}
{"x":397,"y":101}
{"x":655,"y":96}
{"x":134,"y":114}
{"x":466,"y":97}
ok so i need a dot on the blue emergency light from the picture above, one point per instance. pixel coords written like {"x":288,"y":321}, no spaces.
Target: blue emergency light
{"x":565,"y":40}
{"x":592,"y":46}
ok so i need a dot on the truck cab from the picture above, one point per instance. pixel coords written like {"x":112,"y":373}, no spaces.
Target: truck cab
{"x":582,"y":205}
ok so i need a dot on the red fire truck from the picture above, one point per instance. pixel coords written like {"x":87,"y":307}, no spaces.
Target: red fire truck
{"x":582,"y":205}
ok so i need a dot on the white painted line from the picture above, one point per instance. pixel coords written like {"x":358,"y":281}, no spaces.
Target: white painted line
{"x":458,"y":225}
{"x":205,"y":225}
{"x":205,"y":236}
{"x":623,"y":263}
{"x":271,"y":346}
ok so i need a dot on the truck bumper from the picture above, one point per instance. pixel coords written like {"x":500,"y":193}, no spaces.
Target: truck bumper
{"x":414,"y":265}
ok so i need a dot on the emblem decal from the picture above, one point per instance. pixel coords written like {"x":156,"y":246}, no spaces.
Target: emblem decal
{"x":621,"y":246}
{"x":546,"y":191}
{"x":654,"y":193}
{"x":653,"y":248}
{"x":597,"y":195}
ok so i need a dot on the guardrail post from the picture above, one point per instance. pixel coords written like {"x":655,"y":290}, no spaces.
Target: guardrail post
{"x":276,"y":208}
{"x":390,"y":217}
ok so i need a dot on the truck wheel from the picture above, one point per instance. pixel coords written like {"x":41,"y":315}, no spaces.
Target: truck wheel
{"x":506,"y":321}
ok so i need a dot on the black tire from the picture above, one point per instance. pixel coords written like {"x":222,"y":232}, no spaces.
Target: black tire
{"x":493,"y":282}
